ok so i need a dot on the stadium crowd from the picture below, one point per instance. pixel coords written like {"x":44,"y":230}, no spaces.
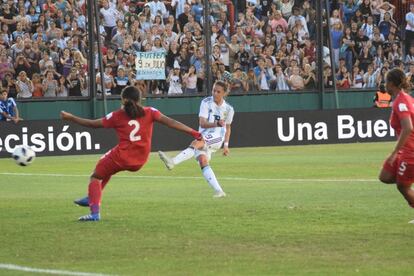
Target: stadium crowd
{"x":265,"y":45}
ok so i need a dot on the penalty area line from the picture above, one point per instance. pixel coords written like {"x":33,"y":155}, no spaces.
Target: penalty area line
{"x":299,"y":180}
{"x":47,"y":271}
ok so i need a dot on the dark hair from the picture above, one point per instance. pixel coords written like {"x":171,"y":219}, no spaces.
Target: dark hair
{"x":222,"y":84}
{"x":398,"y":78}
{"x":132,"y":105}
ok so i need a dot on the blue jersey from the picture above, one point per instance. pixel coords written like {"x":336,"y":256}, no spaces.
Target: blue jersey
{"x":8,"y":107}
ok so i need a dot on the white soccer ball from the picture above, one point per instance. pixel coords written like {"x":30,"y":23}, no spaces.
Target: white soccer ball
{"x":23,"y":155}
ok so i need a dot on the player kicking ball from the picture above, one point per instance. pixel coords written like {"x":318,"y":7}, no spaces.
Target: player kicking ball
{"x":215,"y":118}
{"x":133,"y":124}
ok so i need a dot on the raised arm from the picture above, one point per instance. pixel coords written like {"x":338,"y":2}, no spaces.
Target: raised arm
{"x":171,"y":123}
{"x":81,"y":121}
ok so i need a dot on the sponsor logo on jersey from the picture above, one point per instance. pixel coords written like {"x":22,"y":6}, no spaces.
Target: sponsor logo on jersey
{"x":109,"y":116}
{"x":402,"y":107}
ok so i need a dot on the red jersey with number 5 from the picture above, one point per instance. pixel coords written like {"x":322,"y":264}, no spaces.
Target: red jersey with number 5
{"x":134,"y":136}
{"x":403,"y":107}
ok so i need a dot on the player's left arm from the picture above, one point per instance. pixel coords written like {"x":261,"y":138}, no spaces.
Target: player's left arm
{"x":81,"y":121}
{"x":226,"y":150}
{"x":171,"y":123}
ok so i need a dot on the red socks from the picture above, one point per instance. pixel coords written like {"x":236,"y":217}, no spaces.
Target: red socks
{"x":95,"y":195}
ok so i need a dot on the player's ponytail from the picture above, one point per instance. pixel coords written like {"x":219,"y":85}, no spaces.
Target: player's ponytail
{"x":132,"y":102}
{"x":397,"y":77}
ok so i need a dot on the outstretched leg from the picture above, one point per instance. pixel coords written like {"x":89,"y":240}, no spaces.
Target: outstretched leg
{"x":185,"y":155}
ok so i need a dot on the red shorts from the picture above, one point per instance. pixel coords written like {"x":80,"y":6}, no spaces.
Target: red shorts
{"x":107,"y":166}
{"x":402,"y":169}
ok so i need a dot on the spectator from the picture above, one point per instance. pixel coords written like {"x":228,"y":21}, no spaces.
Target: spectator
{"x":309,"y":78}
{"x":349,"y":9}
{"x":190,"y":81}
{"x":409,"y":29}
{"x":371,"y":77}
{"x":336,"y":36}
{"x":347,"y":49}
{"x":24,"y":86}
{"x":6,"y":66}
{"x":62,"y":90}
{"x":75,"y":83}
{"x":109,"y":14}
{"x":252,"y":81}
{"x":239,"y":84}
{"x":357,"y":79}
{"x":157,"y":7}
{"x":368,"y":27}
{"x":262,"y":75}
{"x":121,"y":81}
{"x":108,"y":81}
{"x":37,"y":86}
{"x":286,"y":7}
{"x":296,"y":82}
{"x":50,"y":85}
{"x":174,"y":81}
{"x":344,"y":79}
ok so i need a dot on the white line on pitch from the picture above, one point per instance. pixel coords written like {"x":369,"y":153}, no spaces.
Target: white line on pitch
{"x":47,"y":271}
{"x":197,"y":177}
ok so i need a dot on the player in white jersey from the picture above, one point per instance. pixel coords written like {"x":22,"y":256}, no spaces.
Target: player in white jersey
{"x":215,"y":118}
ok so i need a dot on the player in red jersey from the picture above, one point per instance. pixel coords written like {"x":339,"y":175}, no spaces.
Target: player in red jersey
{"x":398,"y":168}
{"x":133,"y":124}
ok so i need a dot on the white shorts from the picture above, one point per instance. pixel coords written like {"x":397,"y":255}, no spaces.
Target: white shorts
{"x":213,"y":144}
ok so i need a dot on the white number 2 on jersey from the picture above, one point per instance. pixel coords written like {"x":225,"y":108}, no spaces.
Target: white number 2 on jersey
{"x":133,"y":137}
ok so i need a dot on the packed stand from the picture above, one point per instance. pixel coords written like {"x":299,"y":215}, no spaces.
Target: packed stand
{"x":265,"y":45}
{"x":273,"y":46}
{"x":367,"y":41}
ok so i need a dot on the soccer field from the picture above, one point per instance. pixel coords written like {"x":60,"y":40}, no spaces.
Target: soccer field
{"x":290,"y":210}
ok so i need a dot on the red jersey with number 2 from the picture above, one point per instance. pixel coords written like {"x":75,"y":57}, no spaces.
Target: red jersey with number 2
{"x":403,"y":107}
{"x":134,"y":136}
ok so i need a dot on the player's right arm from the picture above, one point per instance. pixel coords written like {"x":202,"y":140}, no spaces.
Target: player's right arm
{"x":81,"y":121}
{"x":206,"y":124}
{"x":171,"y":123}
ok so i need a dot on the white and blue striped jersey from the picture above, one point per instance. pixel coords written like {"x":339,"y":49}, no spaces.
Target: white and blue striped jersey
{"x":213,"y":113}
{"x":8,"y":107}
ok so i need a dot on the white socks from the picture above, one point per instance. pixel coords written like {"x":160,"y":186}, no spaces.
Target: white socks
{"x":186,"y":154}
{"x":211,"y":179}
{"x":208,"y":173}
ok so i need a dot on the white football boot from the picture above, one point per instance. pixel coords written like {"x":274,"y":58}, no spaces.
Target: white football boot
{"x":219,"y":194}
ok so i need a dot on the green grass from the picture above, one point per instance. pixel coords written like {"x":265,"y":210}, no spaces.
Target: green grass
{"x":173,"y":226}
